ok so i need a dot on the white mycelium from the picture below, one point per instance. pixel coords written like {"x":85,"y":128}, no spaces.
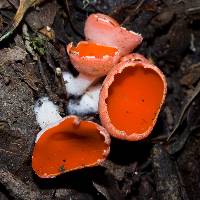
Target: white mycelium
{"x":88,"y":103}
{"x":46,"y":112}
{"x":76,"y":86}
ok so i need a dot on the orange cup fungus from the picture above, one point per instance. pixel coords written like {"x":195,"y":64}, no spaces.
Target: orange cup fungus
{"x":106,"y":43}
{"x":106,"y":31}
{"x":92,"y":59}
{"x":131,"y":98}
{"x":69,"y":145}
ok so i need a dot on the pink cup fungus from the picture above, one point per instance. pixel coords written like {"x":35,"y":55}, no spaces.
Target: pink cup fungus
{"x":68,"y":145}
{"x":104,"y":30}
{"x":107,"y":43}
{"x":131,"y":98}
{"x":92,"y":59}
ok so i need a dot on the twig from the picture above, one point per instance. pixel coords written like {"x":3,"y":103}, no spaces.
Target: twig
{"x":43,"y":76}
{"x":194,"y":10}
{"x":70,"y":21}
{"x":16,"y":188}
{"x":23,"y":7}
{"x":187,"y":105}
{"x":135,"y":11}
{"x":176,"y":146}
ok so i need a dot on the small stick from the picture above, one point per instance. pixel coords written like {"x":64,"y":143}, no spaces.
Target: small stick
{"x":187,"y":105}
{"x":23,"y":7}
{"x":70,"y":21}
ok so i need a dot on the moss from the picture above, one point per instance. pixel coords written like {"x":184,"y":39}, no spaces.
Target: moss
{"x":38,"y":44}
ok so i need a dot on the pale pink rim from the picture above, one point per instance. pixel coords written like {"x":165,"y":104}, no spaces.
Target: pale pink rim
{"x":104,"y":116}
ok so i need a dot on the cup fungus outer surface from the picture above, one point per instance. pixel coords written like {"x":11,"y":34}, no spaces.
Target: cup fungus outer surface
{"x":91,"y":64}
{"x":104,"y":30}
{"x":134,"y":57}
{"x":68,"y":145}
{"x":111,"y":89}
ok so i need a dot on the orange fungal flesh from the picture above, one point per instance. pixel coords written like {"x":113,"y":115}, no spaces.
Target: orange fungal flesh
{"x":66,"y":147}
{"x":134,"y":98}
{"x":92,"y":49}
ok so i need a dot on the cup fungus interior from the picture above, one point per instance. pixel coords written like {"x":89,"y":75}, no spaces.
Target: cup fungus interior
{"x":134,"y":99}
{"x":92,"y":49}
{"x":67,"y":146}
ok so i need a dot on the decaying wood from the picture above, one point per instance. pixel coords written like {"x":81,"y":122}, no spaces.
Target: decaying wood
{"x":16,"y":187}
{"x":168,"y":184}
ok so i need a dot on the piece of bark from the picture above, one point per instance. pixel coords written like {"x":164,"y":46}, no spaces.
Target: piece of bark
{"x":18,"y":128}
{"x":188,"y":163}
{"x":4,"y":4}
{"x":166,"y":176}
{"x":16,"y":187}
{"x":10,"y":55}
{"x":16,"y":102}
{"x":42,"y":17}
{"x":18,"y":123}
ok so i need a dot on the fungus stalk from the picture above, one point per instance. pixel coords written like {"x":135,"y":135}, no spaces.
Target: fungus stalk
{"x":87,"y":104}
{"x":76,"y":86}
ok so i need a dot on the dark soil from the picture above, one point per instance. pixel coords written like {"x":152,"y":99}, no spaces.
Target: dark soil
{"x":161,"y":167}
